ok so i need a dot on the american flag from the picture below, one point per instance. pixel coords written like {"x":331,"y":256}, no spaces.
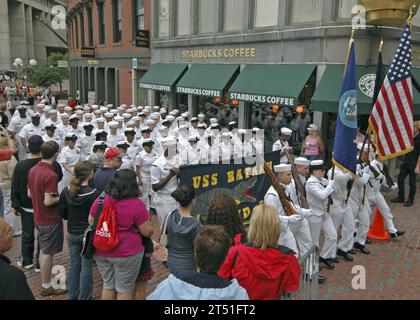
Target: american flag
{"x":392,"y":118}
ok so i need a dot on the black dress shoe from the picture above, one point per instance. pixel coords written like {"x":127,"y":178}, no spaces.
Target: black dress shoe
{"x":368,"y":241}
{"x":334,"y":260}
{"x":408,"y":204}
{"x":327,"y":263}
{"x":344,"y":255}
{"x":352,"y":251}
{"x":361,"y":248}
{"x":398,"y":200}
{"x":321,"y":279}
{"x":397,"y":234}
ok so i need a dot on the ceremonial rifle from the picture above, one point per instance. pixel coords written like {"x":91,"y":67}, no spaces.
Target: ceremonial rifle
{"x":299,"y":186}
{"x":281,"y":191}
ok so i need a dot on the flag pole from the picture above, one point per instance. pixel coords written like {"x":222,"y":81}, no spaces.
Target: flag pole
{"x":353,"y":31}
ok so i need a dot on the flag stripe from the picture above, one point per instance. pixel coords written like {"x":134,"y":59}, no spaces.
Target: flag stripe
{"x":405,"y":112}
{"x":380,"y":146}
{"x":387,"y":125}
{"x":393,"y":111}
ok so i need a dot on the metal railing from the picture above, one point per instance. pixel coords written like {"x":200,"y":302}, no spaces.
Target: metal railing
{"x":308,"y":284}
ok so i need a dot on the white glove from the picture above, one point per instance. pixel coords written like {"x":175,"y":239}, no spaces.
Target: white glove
{"x":394,"y":187}
{"x":295,"y":218}
{"x":380,"y":177}
{"x":364,"y":179}
{"x":366,"y":170}
{"x":304,"y":213}
{"x":332,"y":184}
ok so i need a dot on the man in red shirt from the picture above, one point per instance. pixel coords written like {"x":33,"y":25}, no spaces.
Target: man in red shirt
{"x":43,"y":190}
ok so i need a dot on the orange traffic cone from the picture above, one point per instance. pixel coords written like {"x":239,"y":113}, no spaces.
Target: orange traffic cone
{"x":377,"y":231}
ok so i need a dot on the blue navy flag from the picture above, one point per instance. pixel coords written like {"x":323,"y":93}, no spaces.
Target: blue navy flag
{"x":345,"y":148}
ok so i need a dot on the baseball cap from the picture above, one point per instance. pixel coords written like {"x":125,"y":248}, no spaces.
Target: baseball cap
{"x":112,"y":153}
{"x":35,"y":140}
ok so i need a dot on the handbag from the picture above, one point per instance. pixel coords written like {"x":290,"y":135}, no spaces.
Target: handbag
{"x":88,"y":249}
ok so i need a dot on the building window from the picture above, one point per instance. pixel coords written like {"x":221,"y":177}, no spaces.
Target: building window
{"x":138,"y":15}
{"x":101,"y":22}
{"x":208,"y":13}
{"x":306,"y":10}
{"x":163,"y":12}
{"x":183,"y":25}
{"x":90,"y":26}
{"x":233,"y":15}
{"x":345,"y":8}
{"x":117,"y":20}
{"x":82,"y":28}
{"x":266,"y":13}
{"x":77,"y":32}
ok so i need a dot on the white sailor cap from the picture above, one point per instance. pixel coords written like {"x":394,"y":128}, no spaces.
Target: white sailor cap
{"x":41,"y":106}
{"x":88,"y":125}
{"x":126,"y":116}
{"x":61,"y":105}
{"x":114,"y":111}
{"x":113,"y":124}
{"x":109,"y":105}
{"x":170,"y":118}
{"x":145,"y":129}
{"x":193,"y":138}
{"x":103,"y":109}
{"x":232,"y":123}
{"x":52,"y":111}
{"x":213,"y":120}
{"x":140,"y":108}
{"x":180,"y":119}
{"x":101,"y":132}
{"x":100,"y":120}
{"x":163,"y":110}
{"x":286,"y":131}
{"x":157,"y":108}
{"x":136,"y":119}
{"x":88,"y":115}
{"x":97,"y":112}
{"x":226,"y":135}
{"x":169,"y":141}
{"x":194,"y":119}
{"x":108,"y":115}
{"x":255,"y":130}
{"x":122,"y":144}
{"x":146,"y":110}
{"x":184,"y":115}
{"x":129,"y":130}
{"x":130,"y":123}
{"x":78,"y":107}
{"x":120,"y":109}
{"x":176,"y":111}
{"x":22,"y":106}
{"x":242,"y":131}
{"x":183,"y":127}
{"x":215,"y":126}
{"x":155,"y":116}
{"x":172,"y":113}
{"x":86,"y":108}
{"x":123,"y":106}
{"x":64,"y":115}
{"x":47,"y":108}
{"x":150,"y":121}
{"x":119,"y":119}
{"x":95,"y":107}
{"x":73,"y":117}
{"x":147,"y":142}
{"x":70,"y":136}
{"x":283,"y":168}
{"x":202,"y":126}
{"x":163,"y":128}
{"x":302,"y":162}
{"x":313,"y":127}
{"x":201,"y":116}
{"x":317,"y":165}
{"x":68,"y":109}
{"x":80,"y":112}
{"x":365,"y":147}
{"x":99,"y":143}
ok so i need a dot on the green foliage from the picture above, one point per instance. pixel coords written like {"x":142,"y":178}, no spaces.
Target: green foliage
{"x":47,"y":74}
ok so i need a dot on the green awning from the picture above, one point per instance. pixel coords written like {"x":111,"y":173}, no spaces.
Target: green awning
{"x":327,"y":94}
{"x":271,"y":84}
{"x":162,"y":76}
{"x":207,"y":79}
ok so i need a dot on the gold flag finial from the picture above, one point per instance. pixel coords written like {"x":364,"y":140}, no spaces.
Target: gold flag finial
{"x":411,"y":16}
{"x":381,"y":45}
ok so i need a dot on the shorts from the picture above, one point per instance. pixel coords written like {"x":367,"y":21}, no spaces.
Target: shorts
{"x":51,"y":238}
{"x":119,"y":274}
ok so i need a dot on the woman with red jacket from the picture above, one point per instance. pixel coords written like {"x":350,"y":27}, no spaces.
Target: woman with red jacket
{"x":263,"y":268}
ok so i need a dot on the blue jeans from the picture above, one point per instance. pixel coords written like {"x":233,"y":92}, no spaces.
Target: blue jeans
{"x":79,"y":278}
{"x":1,"y":205}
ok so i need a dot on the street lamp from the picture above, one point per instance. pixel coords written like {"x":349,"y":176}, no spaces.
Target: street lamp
{"x":33,"y":62}
{"x":19,"y":62}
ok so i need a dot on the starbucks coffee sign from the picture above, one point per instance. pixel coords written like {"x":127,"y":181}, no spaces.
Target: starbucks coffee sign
{"x":367,"y":84}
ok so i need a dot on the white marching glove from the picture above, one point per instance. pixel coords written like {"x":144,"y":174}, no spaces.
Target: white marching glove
{"x":394,"y":187}
{"x":380,"y":177}
{"x":366,"y":170}
{"x":295,"y":218}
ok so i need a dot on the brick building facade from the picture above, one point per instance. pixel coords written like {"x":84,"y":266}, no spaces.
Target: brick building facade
{"x":105,"y":70}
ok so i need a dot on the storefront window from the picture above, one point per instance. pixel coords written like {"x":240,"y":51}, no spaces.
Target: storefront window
{"x":208,"y":12}
{"x":216,"y":108}
{"x":183,"y":25}
{"x":345,"y":9}
{"x":266,"y":13}
{"x":163,"y":12}
{"x":233,"y":14}
{"x":306,"y":10}
{"x":265,"y":117}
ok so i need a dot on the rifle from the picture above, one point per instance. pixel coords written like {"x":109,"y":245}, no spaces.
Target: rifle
{"x":389,"y":181}
{"x":279,"y":188}
{"x":299,"y":187}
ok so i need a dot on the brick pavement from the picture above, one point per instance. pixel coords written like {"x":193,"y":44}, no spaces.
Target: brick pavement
{"x":392,"y":268}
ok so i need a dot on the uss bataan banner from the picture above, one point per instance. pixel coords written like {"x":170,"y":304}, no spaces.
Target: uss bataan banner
{"x":247,"y":184}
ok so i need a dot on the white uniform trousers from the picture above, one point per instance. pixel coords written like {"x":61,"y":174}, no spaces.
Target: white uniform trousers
{"x":146,"y":193}
{"x":302,"y":234}
{"x":381,"y":204}
{"x":324,"y":223}
{"x":344,"y":217}
{"x":164,"y":205}
{"x":361,"y":213}
{"x":21,"y":150}
{"x":286,"y":237}
{"x":65,"y":181}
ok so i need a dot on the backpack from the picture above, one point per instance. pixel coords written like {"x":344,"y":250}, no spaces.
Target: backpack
{"x":106,"y":232}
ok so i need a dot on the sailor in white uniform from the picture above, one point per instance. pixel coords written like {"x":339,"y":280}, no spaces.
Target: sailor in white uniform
{"x":225,"y":148}
{"x":283,"y":145}
{"x":68,"y":158}
{"x":144,"y":162}
{"x":31,"y":129}
{"x":318,"y":190}
{"x":86,"y":142}
{"x":52,"y":135}
{"x":16,"y":125}
{"x":164,"y":173}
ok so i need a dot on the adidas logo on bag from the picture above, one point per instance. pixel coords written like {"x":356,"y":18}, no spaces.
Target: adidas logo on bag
{"x":104,"y":232}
